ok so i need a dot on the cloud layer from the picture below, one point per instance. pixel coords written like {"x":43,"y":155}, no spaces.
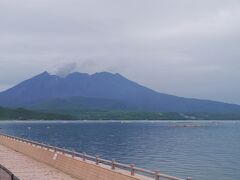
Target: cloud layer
{"x":188,"y":48}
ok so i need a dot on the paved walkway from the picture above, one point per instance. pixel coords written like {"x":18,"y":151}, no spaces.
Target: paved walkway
{"x":26,"y":168}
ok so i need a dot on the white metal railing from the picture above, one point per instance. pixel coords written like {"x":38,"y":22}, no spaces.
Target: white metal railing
{"x":97,"y":160}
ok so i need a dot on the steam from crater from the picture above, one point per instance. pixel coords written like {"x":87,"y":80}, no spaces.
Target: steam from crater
{"x":66,"y":69}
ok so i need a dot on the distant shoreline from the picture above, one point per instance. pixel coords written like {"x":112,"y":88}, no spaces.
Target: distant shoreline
{"x":22,"y":114}
{"x":113,"y":121}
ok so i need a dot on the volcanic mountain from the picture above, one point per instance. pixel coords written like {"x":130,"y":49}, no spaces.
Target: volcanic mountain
{"x":100,"y":91}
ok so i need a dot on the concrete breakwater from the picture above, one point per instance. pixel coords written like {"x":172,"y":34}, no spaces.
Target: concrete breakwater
{"x":80,"y":165}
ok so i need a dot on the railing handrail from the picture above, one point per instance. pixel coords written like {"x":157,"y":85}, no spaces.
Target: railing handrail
{"x":133,"y":169}
{"x":13,"y":177}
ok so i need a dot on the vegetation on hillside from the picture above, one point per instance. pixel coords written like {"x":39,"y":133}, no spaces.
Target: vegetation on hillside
{"x":23,"y":114}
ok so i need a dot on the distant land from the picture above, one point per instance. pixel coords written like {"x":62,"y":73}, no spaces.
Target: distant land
{"x":107,"y":96}
{"x":23,"y":114}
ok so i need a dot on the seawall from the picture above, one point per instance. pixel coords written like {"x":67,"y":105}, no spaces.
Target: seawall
{"x":80,"y":166}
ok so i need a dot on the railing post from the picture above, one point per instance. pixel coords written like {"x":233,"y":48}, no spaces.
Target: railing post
{"x":97,"y":159}
{"x":73,"y":154}
{"x":113,"y":164}
{"x":84,"y":156}
{"x":132,"y":169}
{"x":12,"y":176}
{"x":157,"y":175}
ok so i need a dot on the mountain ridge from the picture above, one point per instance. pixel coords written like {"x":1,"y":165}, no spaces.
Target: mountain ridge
{"x":105,"y":87}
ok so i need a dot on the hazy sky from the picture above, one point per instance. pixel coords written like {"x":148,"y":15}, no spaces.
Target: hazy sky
{"x":188,"y":48}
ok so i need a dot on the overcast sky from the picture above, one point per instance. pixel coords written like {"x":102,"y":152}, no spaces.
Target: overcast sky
{"x":188,"y":48}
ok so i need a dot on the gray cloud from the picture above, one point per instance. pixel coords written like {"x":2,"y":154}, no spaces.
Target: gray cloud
{"x":188,"y":48}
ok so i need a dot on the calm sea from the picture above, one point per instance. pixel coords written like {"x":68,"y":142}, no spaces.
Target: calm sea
{"x":202,"y":149}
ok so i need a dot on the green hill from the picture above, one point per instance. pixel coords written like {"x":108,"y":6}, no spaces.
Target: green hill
{"x":23,"y":114}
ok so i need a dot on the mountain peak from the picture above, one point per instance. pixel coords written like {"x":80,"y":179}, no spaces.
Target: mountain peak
{"x":103,"y":73}
{"x":77,"y":74}
{"x":42,"y":75}
{"x":108,"y":75}
{"x":45,"y":73}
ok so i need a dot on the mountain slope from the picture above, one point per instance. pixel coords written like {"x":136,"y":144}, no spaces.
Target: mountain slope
{"x":79,"y":104}
{"x":99,"y":87}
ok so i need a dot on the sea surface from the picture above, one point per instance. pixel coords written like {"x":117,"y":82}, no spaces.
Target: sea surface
{"x":204,"y":150}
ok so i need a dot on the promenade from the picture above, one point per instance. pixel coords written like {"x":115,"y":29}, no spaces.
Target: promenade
{"x":25,"y":168}
{"x":32,"y":160}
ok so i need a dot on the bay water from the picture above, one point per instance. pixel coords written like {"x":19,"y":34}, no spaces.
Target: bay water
{"x":200,"y":149}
